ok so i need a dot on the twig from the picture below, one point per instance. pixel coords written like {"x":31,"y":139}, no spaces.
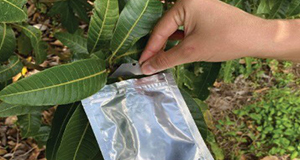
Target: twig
{"x":16,"y":147}
{"x":32,"y":66}
{"x":28,"y":152}
{"x":166,"y":5}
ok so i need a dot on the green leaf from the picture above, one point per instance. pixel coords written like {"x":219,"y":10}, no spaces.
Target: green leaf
{"x":4,"y":84}
{"x":67,"y":9}
{"x":249,"y":69}
{"x":214,"y":147}
{"x":105,"y":16}
{"x":62,"y":84}
{"x":294,"y":8}
{"x":12,"y":11}
{"x":24,"y":45}
{"x":76,"y":42}
{"x":279,"y":9}
{"x":39,"y":46}
{"x":42,"y":136}
{"x":79,"y":135}
{"x":61,"y":118}
{"x":196,"y":113}
{"x":136,"y":20}
{"x":98,"y":156}
{"x":16,"y":110}
{"x":134,"y":52}
{"x":122,"y":4}
{"x":263,"y":8}
{"x":29,"y":124}
{"x":13,"y":67}
{"x":196,"y":78}
{"x":79,"y":7}
{"x":228,"y":71}
{"x":68,"y":19}
{"x":7,"y":41}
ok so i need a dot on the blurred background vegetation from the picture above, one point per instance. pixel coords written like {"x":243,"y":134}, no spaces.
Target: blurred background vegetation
{"x":253,"y":111}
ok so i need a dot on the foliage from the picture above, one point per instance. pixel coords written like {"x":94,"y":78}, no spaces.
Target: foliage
{"x":117,"y":32}
{"x":68,"y":10}
{"x":269,"y":9}
{"x":268,"y":127}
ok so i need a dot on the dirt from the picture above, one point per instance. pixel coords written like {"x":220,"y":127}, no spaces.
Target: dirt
{"x":225,"y":98}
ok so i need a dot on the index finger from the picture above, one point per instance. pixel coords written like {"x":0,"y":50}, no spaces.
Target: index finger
{"x":162,"y":31}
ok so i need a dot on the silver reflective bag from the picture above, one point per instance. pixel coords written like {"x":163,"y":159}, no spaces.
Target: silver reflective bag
{"x":144,"y":119}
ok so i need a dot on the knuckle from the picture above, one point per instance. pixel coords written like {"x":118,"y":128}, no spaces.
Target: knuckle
{"x":158,"y":35}
{"x":162,"y":62}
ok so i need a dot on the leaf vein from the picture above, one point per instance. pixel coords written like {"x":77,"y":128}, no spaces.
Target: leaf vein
{"x":53,"y":86}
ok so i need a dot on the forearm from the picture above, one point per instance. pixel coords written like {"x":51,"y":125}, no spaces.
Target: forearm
{"x":282,"y":40}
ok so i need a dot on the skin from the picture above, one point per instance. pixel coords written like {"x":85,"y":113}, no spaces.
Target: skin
{"x":215,"y":32}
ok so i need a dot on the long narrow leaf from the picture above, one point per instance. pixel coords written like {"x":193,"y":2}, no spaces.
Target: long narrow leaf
{"x":196,"y":113}
{"x":196,"y":78}
{"x":17,"y":110}
{"x":59,"y":122}
{"x":105,"y":16}
{"x":39,"y":46}
{"x":67,"y":9}
{"x":78,"y":7}
{"x":228,"y":71}
{"x":13,"y":67}
{"x":58,"y":85}
{"x":24,"y":45}
{"x":78,"y":141}
{"x":136,"y":20}
{"x":12,"y":11}
{"x":29,"y":124}
{"x":294,"y":8}
{"x":42,"y":136}
{"x":249,"y":69}
{"x":7,"y":41}
{"x":76,"y":42}
{"x":279,"y":9}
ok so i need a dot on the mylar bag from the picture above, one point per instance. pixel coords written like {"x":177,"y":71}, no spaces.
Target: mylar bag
{"x":144,"y":119}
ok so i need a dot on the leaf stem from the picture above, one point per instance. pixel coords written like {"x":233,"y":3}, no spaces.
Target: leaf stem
{"x":166,"y":5}
{"x":32,"y":66}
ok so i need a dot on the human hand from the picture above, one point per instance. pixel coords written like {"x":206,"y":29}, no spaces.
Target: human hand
{"x":214,"y":31}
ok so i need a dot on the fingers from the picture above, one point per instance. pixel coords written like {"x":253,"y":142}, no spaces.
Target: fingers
{"x":164,"y":60}
{"x":162,"y":31}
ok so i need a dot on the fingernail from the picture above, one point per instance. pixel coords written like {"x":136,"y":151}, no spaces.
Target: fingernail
{"x":148,"y":69}
{"x":142,"y":60}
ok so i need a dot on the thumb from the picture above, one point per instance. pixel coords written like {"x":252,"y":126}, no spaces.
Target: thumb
{"x":164,"y":60}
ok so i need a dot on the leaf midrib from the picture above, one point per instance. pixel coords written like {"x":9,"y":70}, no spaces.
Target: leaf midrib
{"x":54,"y":86}
{"x":15,"y":7}
{"x":10,"y":67}
{"x":80,"y":141}
{"x":129,"y":53}
{"x":29,"y":124}
{"x":4,"y":35}
{"x":102,"y":26}
{"x":133,"y":26}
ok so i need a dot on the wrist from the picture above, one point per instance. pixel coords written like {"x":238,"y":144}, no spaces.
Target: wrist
{"x":254,"y":37}
{"x":279,"y":40}
{"x":262,"y":42}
